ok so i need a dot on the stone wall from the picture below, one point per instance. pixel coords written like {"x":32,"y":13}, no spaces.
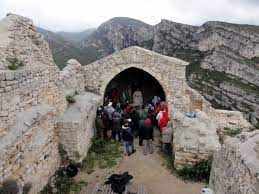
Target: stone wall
{"x":21,"y":89}
{"x":235,"y":168}
{"x":31,"y":97}
{"x":195,"y":139}
{"x":29,"y":152}
{"x":76,"y":126}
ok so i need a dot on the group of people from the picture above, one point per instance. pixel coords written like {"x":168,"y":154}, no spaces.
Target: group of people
{"x":125,"y":118}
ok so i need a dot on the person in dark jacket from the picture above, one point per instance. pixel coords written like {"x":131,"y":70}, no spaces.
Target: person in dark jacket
{"x":128,"y":137}
{"x":116,"y":118}
{"x":147,"y":135}
{"x":99,"y":124}
{"x":141,"y":126}
{"x":135,"y":121}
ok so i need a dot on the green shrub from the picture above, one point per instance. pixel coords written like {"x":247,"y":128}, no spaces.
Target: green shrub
{"x":198,"y":172}
{"x":70,"y":99}
{"x":231,"y":132}
{"x":15,"y":63}
{"x":63,"y":184}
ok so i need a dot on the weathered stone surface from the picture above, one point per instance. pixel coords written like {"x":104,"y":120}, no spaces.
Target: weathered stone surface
{"x":30,"y":98}
{"x":76,"y":126}
{"x":72,"y":77}
{"x":235,"y":167}
{"x":195,"y":139}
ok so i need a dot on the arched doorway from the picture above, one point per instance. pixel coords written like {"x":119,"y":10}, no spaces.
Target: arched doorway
{"x":133,"y":78}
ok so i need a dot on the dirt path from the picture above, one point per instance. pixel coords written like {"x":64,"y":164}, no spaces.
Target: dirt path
{"x":146,"y":170}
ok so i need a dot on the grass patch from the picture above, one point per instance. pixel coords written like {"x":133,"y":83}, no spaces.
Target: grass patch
{"x":102,"y":154}
{"x":198,"y":172}
{"x":231,"y":132}
{"x":63,"y":184}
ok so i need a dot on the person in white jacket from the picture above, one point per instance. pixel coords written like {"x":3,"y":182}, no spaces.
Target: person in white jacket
{"x":138,"y":98}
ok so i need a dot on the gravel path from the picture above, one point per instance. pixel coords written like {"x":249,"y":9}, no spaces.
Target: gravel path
{"x":146,"y":170}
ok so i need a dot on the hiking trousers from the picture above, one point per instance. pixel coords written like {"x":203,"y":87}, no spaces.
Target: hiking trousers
{"x":129,"y":147}
{"x":148,"y":146}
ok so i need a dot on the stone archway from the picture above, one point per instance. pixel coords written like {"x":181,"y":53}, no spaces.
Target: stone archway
{"x":168,"y":71}
{"x":132,"y":78}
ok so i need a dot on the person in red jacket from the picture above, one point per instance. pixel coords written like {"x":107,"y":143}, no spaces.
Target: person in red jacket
{"x":164,"y":120}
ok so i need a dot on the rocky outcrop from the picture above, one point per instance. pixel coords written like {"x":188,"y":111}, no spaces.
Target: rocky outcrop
{"x":170,"y":37}
{"x":116,"y":34}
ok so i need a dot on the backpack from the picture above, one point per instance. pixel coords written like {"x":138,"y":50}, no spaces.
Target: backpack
{"x":119,"y":181}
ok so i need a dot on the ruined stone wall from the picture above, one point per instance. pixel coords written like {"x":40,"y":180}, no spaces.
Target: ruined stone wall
{"x":235,"y":167}
{"x":21,"y":89}
{"x":195,"y":139}
{"x":76,"y":126}
{"x":31,"y":97}
{"x":29,"y":152}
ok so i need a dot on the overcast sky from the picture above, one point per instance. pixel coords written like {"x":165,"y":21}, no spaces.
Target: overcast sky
{"x":77,"y":15}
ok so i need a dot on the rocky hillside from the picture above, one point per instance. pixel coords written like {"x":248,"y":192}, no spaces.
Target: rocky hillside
{"x":77,"y":36}
{"x":224,"y":57}
{"x":116,"y":34}
{"x":63,"y":48}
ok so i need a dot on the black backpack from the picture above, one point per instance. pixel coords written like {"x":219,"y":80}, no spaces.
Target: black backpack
{"x":119,"y":181}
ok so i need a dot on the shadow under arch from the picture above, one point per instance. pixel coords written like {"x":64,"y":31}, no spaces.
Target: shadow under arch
{"x":132,"y":78}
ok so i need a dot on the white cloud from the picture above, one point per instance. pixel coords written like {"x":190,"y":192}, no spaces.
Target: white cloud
{"x":75,"y":15}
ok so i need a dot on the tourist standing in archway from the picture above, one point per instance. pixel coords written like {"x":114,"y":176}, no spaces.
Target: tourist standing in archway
{"x":138,"y":98}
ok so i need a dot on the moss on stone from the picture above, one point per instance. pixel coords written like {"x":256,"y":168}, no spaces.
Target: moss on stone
{"x":231,"y":132}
